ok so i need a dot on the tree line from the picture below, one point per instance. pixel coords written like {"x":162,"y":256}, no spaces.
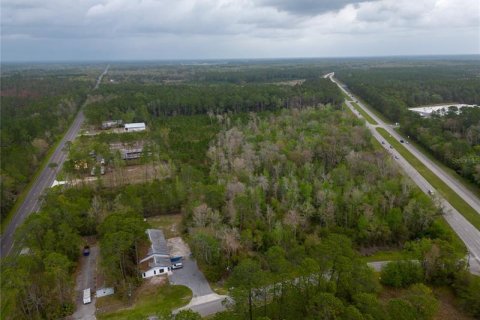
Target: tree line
{"x":132,"y":102}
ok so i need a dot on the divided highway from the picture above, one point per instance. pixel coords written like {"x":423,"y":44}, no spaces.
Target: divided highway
{"x":33,"y":200}
{"x":464,"y":229}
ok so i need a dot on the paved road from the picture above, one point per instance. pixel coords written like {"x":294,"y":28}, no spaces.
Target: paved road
{"x":468,"y":196}
{"x":465,"y":230}
{"x":46,"y":178}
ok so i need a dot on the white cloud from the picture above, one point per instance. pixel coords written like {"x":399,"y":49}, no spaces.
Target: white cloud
{"x":242,"y":28}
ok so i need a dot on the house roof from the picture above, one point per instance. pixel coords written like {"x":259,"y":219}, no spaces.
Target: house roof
{"x":159,"y":244}
{"x":162,"y":261}
{"x":158,"y":250}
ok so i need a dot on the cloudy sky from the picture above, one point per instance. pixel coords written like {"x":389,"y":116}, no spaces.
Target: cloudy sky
{"x":38,"y":30}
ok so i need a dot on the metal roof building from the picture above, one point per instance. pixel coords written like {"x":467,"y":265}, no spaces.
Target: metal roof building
{"x":158,"y":250}
{"x":158,"y":254}
{"x":138,"y":126}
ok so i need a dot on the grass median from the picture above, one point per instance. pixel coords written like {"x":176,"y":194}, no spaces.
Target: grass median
{"x":364,"y":114}
{"x":452,"y":197}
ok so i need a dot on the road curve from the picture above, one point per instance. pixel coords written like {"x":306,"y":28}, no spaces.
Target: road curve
{"x":33,"y":200}
{"x":464,"y":229}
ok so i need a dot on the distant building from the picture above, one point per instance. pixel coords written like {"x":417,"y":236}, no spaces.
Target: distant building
{"x":129,"y":151}
{"x":132,"y":127}
{"x":158,"y":256}
{"x":111,"y":124}
{"x":427,"y":111}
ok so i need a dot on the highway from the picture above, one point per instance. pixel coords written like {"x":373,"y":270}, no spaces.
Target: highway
{"x":464,"y":229}
{"x":33,"y":200}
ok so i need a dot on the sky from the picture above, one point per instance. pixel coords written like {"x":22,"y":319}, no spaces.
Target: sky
{"x":77,"y":30}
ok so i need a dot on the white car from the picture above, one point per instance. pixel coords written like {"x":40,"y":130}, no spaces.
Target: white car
{"x":177,"y":265}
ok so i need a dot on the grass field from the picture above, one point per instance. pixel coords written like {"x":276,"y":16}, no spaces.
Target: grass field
{"x":453,"y":198}
{"x":158,"y":301}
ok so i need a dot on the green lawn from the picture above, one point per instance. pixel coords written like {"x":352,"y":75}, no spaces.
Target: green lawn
{"x":455,"y":200}
{"x":161,"y":301}
{"x":364,"y":114}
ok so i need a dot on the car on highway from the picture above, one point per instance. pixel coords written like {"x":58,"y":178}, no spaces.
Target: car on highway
{"x":177,"y":265}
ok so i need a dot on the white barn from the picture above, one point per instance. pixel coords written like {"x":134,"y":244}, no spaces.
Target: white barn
{"x":137,"y":126}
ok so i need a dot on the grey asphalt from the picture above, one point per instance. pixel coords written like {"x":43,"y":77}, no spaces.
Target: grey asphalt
{"x":191,"y":277}
{"x":32,"y":201}
{"x":464,"y":229}
{"x":204,"y":300}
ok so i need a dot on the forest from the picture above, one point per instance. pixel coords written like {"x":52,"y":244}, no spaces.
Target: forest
{"x":281,"y":190}
{"x":135,"y":102}
{"x":36,"y":110}
{"x":454,"y":138}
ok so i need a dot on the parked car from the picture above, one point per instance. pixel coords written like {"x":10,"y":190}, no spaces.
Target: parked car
{"x":86,"y":251}
{"x":87,"y":296}
{"x":431,"y":192}
{"x":177,"y":265}
{"x":401,"y":140}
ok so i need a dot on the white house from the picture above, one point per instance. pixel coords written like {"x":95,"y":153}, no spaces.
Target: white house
{"x":132,"y":127}
{"x":158,"y":256}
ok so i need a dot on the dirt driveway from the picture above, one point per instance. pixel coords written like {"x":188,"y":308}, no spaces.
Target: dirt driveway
{"x":86,"y":279}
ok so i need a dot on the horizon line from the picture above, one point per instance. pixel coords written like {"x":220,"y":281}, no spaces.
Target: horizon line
{"x":236,"y":59}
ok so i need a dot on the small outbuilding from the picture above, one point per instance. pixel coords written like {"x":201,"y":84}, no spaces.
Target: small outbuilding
{"x":133,"y":127}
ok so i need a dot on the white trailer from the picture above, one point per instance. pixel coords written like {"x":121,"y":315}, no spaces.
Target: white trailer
{"x":87,"y":296}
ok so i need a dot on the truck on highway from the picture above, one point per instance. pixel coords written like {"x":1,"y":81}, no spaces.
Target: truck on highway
{"x":87,"y":296}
